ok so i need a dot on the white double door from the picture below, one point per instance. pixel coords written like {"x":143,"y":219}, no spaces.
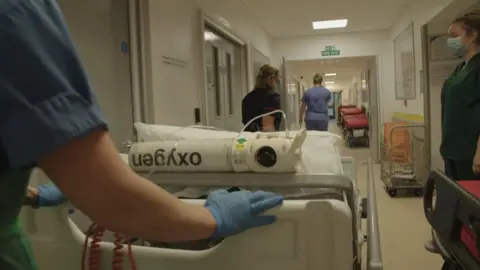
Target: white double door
{"x":225,"y":82}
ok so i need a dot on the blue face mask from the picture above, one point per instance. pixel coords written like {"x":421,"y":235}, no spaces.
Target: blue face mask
{"x":459,"y":49}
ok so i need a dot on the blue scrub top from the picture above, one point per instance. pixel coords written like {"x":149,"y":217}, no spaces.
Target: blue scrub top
{"x":46,"y":100}
{"x":317,"y":99}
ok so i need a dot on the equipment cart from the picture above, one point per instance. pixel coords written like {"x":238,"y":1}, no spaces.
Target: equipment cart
{"x":403,"y":158}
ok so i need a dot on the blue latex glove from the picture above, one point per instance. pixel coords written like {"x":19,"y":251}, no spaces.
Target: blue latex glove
{"x":239,"y":211}
{"x":49,"y":195}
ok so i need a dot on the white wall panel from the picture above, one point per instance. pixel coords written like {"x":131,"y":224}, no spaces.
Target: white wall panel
{"x":174,"y":31}
{"x":98,"y":28}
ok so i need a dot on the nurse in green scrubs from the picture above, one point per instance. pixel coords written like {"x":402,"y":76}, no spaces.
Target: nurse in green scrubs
{"x":460,"y":146}
{"x":460,"y":99}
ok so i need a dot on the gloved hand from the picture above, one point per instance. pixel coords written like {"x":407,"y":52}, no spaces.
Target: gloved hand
{"x":239,"y":211}
{"x":49,"y":195}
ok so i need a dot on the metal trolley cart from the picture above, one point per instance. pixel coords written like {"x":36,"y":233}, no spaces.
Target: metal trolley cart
{"x":403,"y":158}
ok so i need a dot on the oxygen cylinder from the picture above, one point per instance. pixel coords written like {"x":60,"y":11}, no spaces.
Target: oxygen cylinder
{"x":262,"y":152}
{"x":209,"y":155}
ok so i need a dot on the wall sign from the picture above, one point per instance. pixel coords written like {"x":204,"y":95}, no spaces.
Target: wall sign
{"x":124,"y":47}
{"x":330,"y":51}
{"x":171,"y":61}
{"x":404,"y":59}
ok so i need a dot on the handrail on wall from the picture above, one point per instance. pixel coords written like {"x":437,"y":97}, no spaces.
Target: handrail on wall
{"x":374,"y":252}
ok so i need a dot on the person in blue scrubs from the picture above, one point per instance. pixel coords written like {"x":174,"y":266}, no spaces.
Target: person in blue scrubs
{"x":315,"y":106}
{"x":49,"y":118}
{"x":460,"y":101}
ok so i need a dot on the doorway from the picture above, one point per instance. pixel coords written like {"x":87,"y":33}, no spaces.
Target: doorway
{"x":224,"y":80}
{"x":101,"y":41}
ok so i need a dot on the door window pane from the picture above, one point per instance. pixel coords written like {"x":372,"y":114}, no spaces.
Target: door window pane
{"x":216,"y":72}
{"x":229,"y":84}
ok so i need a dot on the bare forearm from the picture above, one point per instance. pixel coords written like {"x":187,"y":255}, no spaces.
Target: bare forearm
{"x":141,"y":208}
{"x":302,"y":111}
{"x":111,"y":194}
{"x":268,"y":129}
{"x":268,"y":124}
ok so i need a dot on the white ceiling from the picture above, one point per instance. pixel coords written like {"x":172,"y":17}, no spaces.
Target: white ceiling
{"x":286,"y":18}
{"x":445,"y":17}
{"x":346,"y":69}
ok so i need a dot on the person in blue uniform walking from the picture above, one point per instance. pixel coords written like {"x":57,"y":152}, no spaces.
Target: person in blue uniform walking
{"x":49,"y":118}
{"x":315,"y":106}
{"x":460,"y":101}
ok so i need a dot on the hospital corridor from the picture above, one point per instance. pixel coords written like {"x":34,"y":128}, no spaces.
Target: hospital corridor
{"x":240,"y":135}
{"x":397,"y":220}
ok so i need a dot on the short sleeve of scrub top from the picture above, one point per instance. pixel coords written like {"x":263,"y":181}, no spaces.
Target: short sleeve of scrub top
{"x":46,"y":100}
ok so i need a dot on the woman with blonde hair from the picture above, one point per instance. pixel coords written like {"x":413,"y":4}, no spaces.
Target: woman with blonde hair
{"x":261,"y":100}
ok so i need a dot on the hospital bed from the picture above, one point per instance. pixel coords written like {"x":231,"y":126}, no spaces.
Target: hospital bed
{"x":345,"y":112}
{"x":320,"y":231}
{"x":355,"y":129}
{"x":455,"y":219}
{"x":339,"y":112}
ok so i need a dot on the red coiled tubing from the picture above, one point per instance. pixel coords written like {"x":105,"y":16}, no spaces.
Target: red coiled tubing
{"x":94,"y":259}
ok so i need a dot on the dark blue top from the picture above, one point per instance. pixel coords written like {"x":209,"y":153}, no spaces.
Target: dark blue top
{"x":258,"y":102}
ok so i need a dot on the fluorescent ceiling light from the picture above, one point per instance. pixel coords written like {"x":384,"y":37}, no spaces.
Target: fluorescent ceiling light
{"x":330,"y":74}
{"x":329,"y":82}
{"x":209,"y":36}
{"x":330,"y":24}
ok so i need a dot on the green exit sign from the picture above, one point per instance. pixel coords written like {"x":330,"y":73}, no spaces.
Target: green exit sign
{"x":330,"y":51}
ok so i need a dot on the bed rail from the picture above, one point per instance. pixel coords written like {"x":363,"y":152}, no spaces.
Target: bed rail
{"x":374,"y":252}
{"x":281,"y":180}
{"x":269,"y":180}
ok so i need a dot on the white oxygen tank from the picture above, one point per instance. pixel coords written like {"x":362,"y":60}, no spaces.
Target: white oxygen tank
{"x":262,"y":152}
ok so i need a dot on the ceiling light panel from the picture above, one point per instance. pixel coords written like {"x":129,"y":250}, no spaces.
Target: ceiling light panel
{"x":330,"y":74}
{"x":331,"y":24}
